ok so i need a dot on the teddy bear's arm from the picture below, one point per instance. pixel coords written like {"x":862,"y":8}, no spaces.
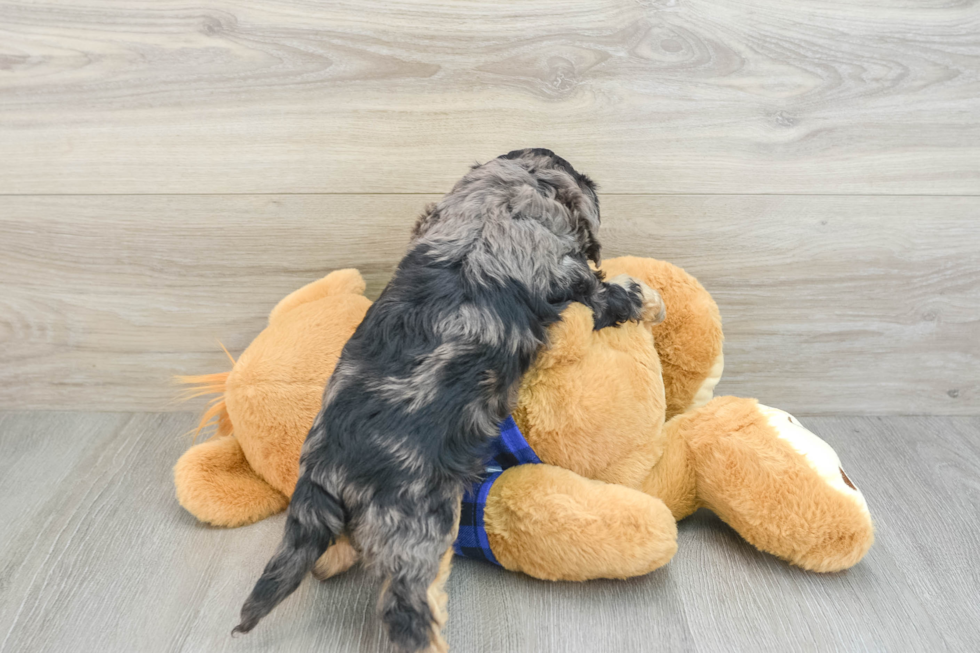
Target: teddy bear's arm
{"x":553,"y":524}
{"x":338,"y":282}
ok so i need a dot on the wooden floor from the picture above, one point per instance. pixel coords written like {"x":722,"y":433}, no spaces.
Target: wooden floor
{"x":96,"y":555}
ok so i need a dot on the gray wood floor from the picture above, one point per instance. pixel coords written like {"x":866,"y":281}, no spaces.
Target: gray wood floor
{"x":96,"y":555}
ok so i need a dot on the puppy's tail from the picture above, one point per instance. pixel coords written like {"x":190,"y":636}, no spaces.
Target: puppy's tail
{"x":315,"y":519}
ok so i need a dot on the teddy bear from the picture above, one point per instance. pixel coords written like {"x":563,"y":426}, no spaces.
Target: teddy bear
{"x":615,"y":436}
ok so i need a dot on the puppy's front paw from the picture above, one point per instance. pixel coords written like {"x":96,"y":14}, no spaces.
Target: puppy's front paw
{"x":652,"y":308}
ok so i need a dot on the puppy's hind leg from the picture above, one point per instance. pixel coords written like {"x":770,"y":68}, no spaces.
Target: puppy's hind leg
{"x":415,"y":562}
{"x":439,"y":599}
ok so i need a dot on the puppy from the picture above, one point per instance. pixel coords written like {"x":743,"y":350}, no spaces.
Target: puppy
{"x":423,"y":383}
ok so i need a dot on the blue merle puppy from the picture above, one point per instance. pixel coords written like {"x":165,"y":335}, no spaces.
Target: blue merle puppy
{"x":427,"y":377}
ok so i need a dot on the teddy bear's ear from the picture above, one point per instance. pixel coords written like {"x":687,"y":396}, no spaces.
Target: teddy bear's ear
{"x":339,"y":282}
{"x":689,"y":340}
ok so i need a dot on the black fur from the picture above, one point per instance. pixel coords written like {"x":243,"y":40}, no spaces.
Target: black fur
{"x":431,"y":371}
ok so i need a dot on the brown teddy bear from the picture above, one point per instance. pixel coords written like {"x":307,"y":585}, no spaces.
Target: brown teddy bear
{"x":615,"y":436}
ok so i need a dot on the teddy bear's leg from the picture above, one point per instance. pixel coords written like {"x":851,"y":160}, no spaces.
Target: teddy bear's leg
{"x":338,"y":282}
{"x":553,"y":524}
{"x":672,"y":479}
{"x":338,"y":558}
{"x":776,"y":483}
{"x":216,"y":484}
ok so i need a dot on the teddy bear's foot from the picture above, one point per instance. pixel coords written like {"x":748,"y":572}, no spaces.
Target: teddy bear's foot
{"x":776,"y":483}
{"x":553,"y":524}
{"x":337,"y":559}
{"x":216,"y":484}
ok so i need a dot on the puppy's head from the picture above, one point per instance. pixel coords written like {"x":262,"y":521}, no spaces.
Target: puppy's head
{"x":573,"y":191}
{"x":533,"y":183}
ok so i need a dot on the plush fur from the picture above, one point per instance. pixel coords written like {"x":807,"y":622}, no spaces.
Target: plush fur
{"x":430,"y":372}
{"x":776,"y":499}
{"x":618,"y":430}
{"x":554,"y":524}
{"x":726,"y":456}
{"x":689,"y":341}
{"x":544,"y":520}
{"x":218,"y":485}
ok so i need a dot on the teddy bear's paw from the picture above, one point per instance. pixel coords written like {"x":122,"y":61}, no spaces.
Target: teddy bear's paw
{"x":552,"y":524}
{"x":781,"y":487}
{"x":838,"y":534}
{"x":652,"y":309}
{"x":216,"y":484}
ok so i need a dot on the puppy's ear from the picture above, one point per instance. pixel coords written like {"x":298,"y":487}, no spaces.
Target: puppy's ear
{"x":593,"y":250}
{"x":427,"y":218}
{"x":582,"y":202}
{"x":587,"y":226}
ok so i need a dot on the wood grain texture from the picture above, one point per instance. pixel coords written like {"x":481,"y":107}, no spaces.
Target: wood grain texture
{"x":756,"y":96}
{"x":96,"y":555}
{"x":831,"y":304}
{"x":106,"y":298}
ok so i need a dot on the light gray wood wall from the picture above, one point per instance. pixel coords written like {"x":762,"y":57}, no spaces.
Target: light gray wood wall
{"x":168,"y":171}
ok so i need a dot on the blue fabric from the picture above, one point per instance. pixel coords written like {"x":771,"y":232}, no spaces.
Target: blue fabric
{"x":508,"y":450}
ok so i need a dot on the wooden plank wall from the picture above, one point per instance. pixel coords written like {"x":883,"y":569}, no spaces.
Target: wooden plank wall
{"x":168,"y":171}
